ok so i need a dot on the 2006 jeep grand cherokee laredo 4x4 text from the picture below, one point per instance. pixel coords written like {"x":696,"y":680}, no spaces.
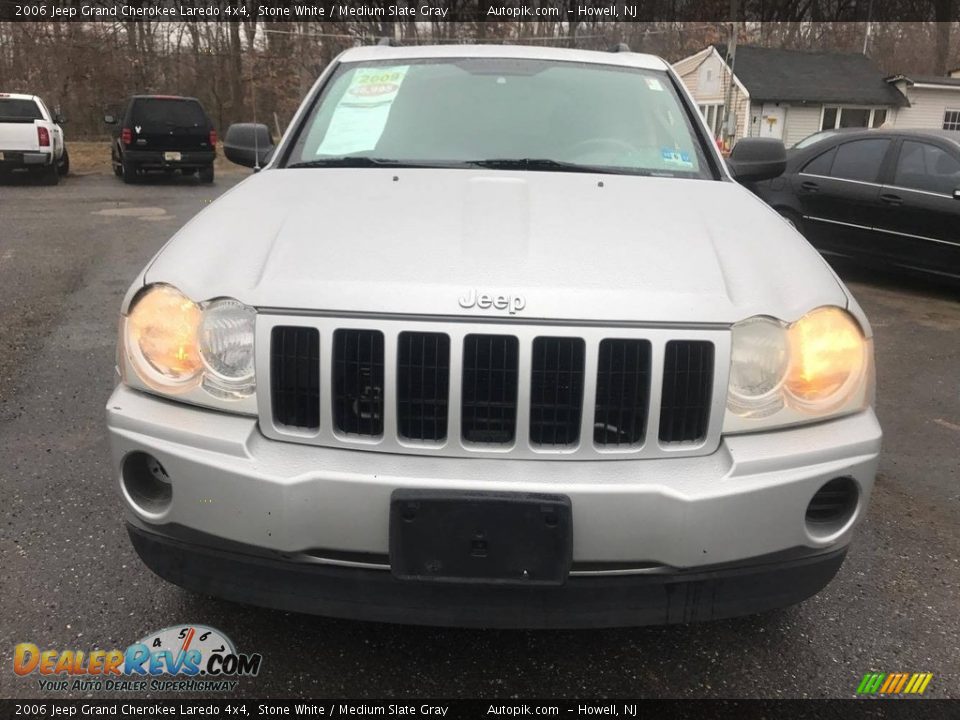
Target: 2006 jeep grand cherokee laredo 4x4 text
{"x":495,"y":339}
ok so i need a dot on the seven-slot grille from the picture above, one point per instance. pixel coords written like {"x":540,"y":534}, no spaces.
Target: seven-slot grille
{"x":423,"y":381}
{"x":623,"y":392}
{"x":556,"y":390}
{"x":687,"y":391}
{"x":295,"y":376}
{"x":467,"y":391}
{"x":489,"y":405}
{"x":358,"y":382}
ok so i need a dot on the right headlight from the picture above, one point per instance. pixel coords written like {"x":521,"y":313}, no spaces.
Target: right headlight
{"x":198,"y":352}
{"x":226,"y":348}
{"x":818,"y":367}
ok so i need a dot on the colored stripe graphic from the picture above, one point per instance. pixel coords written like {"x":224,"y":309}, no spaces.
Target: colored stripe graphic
{"x":894,"y":683}
{"x":891,"y":681}
{"x":870,"y":683}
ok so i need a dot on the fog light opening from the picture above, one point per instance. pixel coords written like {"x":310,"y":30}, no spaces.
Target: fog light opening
{"x":146,"y":483}
{"x":832,"y":507}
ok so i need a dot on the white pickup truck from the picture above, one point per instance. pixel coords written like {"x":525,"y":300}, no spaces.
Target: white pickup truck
{"x":31,"y":138}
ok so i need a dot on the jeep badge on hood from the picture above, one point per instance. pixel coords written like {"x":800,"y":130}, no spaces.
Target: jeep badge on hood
{"x":512,"y":303}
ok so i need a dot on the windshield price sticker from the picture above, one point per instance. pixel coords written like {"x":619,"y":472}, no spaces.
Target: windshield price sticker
{"x":361,"y":115}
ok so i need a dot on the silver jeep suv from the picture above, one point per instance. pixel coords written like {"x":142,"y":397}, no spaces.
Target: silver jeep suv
{"x":494,"y":339}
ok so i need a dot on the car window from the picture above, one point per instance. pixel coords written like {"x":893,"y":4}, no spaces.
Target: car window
{"x":815,"y":138}
{"x":457,"y":110}
{"x":821,"y":164}
{"x":860,"y":160}
{"x":922,"y":166}
{"x":168,"y":112}
{"x":19,"y":109}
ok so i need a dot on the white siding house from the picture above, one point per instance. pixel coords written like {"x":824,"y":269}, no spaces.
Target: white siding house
{"x":788,"y":94}
{"x":934,"y":102}
{"x":707,"y":77}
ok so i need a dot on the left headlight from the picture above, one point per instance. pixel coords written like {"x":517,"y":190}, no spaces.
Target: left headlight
{"x":199,"y":352}
{"x":818,"y":367}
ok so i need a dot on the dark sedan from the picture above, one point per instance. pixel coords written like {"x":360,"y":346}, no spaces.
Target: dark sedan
{"x":889,"y":197}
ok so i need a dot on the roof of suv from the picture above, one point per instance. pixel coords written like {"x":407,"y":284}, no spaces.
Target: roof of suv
{"x":162,"y":97}
{"x":621,"y":59}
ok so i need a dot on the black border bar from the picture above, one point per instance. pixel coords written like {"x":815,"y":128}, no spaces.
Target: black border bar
{"x":565,"y":11}
{"x":494,"y":708}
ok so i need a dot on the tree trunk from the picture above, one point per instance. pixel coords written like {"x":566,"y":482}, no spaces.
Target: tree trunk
{"x":944,"y":15}
{"x":236,"y":73}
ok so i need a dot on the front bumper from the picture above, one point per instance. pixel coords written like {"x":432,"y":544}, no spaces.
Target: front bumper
{"x":317,"y":511}
{"x":209,"y":566}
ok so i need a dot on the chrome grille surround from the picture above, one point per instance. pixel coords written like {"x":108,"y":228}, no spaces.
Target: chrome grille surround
{"x":457,"y":328}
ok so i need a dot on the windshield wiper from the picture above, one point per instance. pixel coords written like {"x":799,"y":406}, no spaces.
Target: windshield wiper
{"x":542,"y":164}
{"x":361,"y":161}
{"x":549,"y":165}
{"x":346,"y":161}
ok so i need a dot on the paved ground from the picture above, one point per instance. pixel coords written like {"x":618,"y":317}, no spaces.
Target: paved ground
{"x":70,"y":578}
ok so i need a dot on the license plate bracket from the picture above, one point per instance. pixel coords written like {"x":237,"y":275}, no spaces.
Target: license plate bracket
{"x":481,"y":537}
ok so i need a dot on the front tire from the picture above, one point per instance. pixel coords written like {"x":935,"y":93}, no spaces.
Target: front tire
{"x":206,"y":174}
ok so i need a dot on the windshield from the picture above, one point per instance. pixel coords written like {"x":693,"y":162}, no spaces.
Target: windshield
{"x":510,"y":113}
{"x":19,"y":109}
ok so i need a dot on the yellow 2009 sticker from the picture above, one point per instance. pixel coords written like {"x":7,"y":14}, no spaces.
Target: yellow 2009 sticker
{"x":361,"y":115}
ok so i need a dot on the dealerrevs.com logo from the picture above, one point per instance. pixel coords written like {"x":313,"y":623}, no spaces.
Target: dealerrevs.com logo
{"x":177,"y":658}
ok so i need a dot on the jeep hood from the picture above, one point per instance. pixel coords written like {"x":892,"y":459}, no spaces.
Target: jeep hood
{"x":575,"y":246}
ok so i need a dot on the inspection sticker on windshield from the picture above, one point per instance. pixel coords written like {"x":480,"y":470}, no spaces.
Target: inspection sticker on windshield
{"x":654,"y":84}
{"x":676,"y":157}
{"x":361,"y":115}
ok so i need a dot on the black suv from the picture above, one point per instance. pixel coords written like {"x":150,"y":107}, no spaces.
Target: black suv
{"x":162,"y":132}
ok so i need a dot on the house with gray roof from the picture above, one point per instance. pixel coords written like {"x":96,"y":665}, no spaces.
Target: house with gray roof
{"x":789,"y":94}
{"x":932,"y":101}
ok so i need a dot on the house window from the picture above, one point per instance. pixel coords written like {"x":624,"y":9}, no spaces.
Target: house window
{"x":951,"y":120}
{"x":713,"y":114}
{"x":852,"y":117}
{"x":829,"y":121}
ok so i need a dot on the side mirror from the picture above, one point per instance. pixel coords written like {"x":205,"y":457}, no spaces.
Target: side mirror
{"x":248,"y":144}
{"x":956,"y":194}
{"x":110,"y":119}
{"x":60,"y":119}
{"x":754,"y":159}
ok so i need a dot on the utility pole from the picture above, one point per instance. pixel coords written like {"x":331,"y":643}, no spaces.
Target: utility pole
{"x":866,"y":35}
{"x":730,"y":115}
